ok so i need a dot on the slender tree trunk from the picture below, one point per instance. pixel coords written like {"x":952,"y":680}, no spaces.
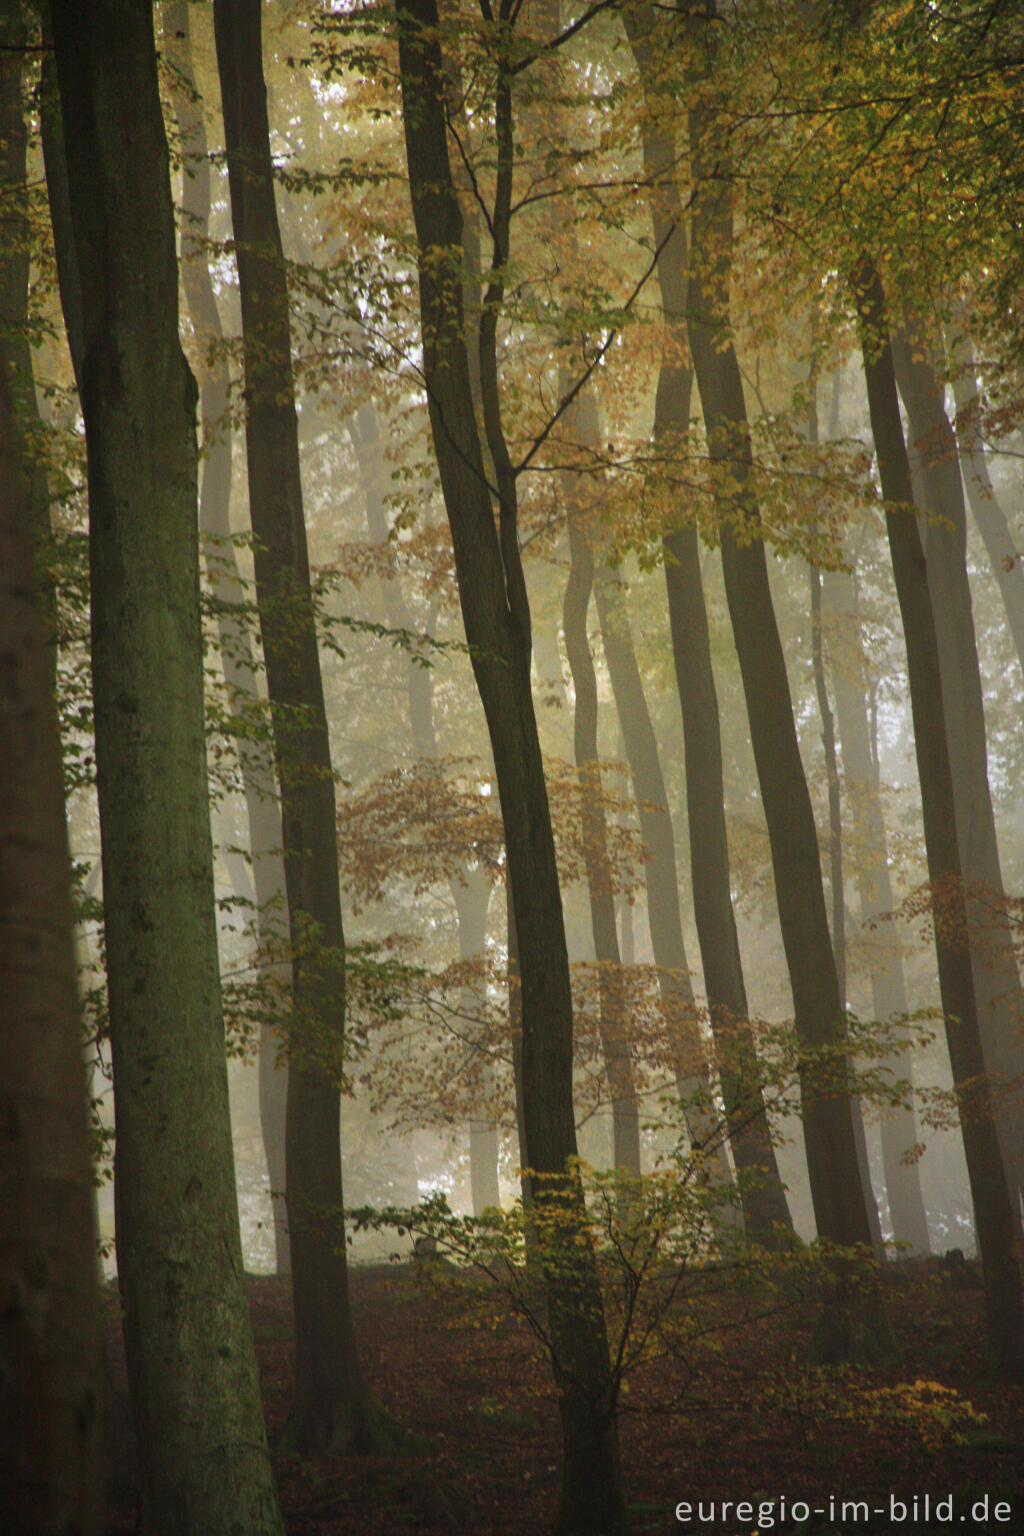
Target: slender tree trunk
{"x":837,"y":1192}
{"x":496,"y":613}
{"x":996,"y":979}
{"x":765,"y":1212}
{"x":332,"y":1408}
{"x":51,"y":1472}
{"x":995,"y":1217}
{"x":875,"y":898}
{"x":239,"y":663}
{"x":192,"y":1371}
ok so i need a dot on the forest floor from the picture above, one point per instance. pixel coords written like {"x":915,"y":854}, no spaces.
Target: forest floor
{"x":731,"y":1413}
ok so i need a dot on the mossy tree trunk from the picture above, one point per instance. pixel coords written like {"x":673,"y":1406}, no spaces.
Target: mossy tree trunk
{"x":203,"y":1457}
{"x":50,"y":1354}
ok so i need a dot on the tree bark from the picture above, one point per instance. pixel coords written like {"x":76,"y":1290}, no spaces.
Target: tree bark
{"x":1000,"y":1001}
{"x":192,"y":1372}
{"x":836,"y":1190}
{"x":51,"y":1472}
{"x":332,"y":1408}
{"x":237,"y":658}
{"x":995,"y":1218}
{"x":496,"y":613}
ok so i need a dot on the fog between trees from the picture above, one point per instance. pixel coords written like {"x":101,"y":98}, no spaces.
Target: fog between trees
{"x":575,"y":455}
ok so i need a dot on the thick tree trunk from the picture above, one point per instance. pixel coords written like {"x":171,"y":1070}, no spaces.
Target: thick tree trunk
{"x":765,"y":1212}
{"x":995,"y":1217}
{"x":836,"y":1189}
{"x":613,"y":1017}
{"x":51,"y":1472}
{"x":933,"y":451}
{"x":875,"y":898}
{"x":332,"y":1408}
{"x":192,"y":1372}
{"x":237,"y":657}
{"x":495,"y":608}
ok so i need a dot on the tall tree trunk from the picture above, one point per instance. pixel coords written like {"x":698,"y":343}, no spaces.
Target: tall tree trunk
{"x":332,"y":1407}
{"x":1007,"y":566}
{"x":837,"y":1192}
{"x":613,"y":1017}
{"x":192,"y":1372}
{"x":50,"y":1354}
{"x":997,"y":988}
{"x":496,"y":613}
{"x":766,"y":1214}
{"x":995,"y":1217}
{"x":875,"y":897}
{"x":239,"y":663}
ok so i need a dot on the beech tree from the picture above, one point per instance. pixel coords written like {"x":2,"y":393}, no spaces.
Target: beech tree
{"x":204,"y":1464}
{"x":836,"y":1184}
{"x":899,"y":1131}
{"x":764,"y":1203}
{"x":332,"y":1406}
{"x":496,"y":613}
{"x":939,"y":491}
{"x":50,"y":1371}
{"x":259,"y":786}
{"x":995,"y":1215}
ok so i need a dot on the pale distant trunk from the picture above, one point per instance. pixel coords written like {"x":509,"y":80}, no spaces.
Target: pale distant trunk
{"x":835,"y":858}
{"x":472,"y":899}
{"x":472,"y":893}
{"x":687,"y":1047}
{"x":875,"y":899}
{"x":613,"y":1018}
{"x":997,"y":986}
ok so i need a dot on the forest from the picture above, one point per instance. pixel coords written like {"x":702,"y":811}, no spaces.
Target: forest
{"x":511,"y":841}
